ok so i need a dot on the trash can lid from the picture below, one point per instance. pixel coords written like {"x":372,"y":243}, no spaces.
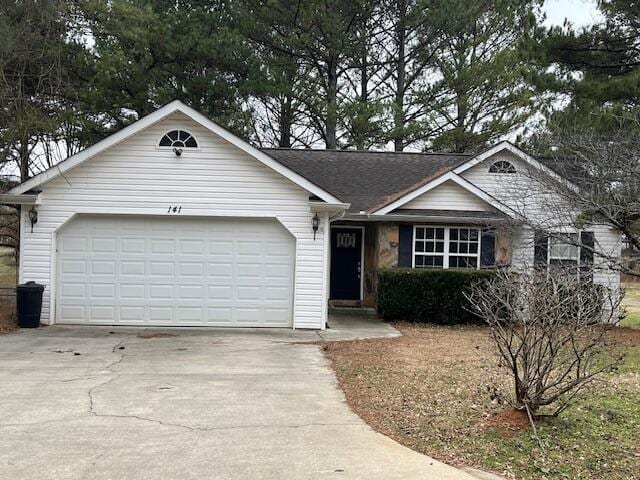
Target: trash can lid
{"x":31,"y":285}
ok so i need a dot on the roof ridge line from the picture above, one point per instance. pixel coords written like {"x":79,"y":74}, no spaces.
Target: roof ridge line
{"x":365,"y":151}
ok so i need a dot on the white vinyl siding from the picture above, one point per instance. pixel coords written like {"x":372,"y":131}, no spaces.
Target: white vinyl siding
{"x":216,"y":180}
{"x":448,"y":196}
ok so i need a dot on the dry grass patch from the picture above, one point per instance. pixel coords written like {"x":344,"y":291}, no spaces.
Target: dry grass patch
{"x":439,"y":390}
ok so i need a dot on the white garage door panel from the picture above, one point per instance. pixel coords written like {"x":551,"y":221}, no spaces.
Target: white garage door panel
{"x":175,"y":271}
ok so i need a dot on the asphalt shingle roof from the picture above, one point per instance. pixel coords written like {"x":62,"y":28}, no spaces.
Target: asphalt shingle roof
{"x":362,"y":178}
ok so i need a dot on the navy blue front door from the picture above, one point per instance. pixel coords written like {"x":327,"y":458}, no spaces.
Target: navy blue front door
{"x":346,"y":263}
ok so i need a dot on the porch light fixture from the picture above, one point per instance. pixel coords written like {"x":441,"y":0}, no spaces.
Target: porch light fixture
{"x":315,"y":223}
{"x":33,"y":217}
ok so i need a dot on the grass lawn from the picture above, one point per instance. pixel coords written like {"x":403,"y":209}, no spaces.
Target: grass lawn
{"x":632,"y":302}
{"x":439,"y":390}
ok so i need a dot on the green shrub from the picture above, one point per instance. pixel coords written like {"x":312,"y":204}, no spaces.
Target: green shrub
{"x":421,"y":295}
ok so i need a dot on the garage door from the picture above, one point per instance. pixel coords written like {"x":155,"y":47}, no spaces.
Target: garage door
{"x":115,"y":270}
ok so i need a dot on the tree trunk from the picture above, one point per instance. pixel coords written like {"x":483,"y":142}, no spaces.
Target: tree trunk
{"x":361,"y":136}
{"x":398,"y":114}
{"x":286,"y":119}
{"x":331,"y":120}
{"x":24,"y":159}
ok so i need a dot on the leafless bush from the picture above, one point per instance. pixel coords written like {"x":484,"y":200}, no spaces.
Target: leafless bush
{"x":550,"y":330}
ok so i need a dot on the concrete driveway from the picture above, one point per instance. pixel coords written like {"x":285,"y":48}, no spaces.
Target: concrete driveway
{"x":103,"y":403}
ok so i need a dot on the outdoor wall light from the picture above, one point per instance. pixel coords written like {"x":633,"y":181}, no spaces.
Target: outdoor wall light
{"x":177,"y":151}
{"x":33,"y":217}
{"x":315,"y":223}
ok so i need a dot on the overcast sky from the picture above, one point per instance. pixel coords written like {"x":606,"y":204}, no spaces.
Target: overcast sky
{"x":578,"y":12}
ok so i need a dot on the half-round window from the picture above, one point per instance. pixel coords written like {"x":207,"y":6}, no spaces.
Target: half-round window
{"x":178,"y":139}
{"x":502,"y":166}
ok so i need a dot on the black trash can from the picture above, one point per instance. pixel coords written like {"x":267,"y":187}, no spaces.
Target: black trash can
{"x":29,"y":304}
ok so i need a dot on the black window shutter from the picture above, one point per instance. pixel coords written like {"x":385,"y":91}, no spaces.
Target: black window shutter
{"x":587,"y":242}
{"x":405,"y":246}
{"x":488,"y":248}
{"x":540,"y":250}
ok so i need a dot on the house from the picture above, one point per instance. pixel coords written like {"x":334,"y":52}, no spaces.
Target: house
{"x":175,"y":221}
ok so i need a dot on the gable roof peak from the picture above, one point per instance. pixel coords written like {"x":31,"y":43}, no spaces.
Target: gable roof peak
{"x":155,"y":117}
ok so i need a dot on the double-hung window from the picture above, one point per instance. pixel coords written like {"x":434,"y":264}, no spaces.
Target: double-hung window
{"x":572,"y":252}
{"x":446,"y":247}
{"x":564,"y":251}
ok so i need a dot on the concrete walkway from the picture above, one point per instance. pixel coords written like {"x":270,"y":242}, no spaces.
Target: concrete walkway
{"x":104,"y":403}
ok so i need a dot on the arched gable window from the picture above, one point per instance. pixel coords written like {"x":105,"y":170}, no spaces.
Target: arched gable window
{"x":502,"y":166}
{"x":178,"y":139}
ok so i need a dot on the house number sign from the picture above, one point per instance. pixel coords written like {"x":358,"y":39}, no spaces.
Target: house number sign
{"x":346,"y":240}
{"x":174,"y":209}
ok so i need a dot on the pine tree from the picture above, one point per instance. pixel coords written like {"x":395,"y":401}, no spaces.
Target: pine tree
{"x":482,"y":88}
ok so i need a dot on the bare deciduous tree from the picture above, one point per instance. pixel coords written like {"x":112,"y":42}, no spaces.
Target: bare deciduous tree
{"x":550,"y":330}
{"x":604,"y":187}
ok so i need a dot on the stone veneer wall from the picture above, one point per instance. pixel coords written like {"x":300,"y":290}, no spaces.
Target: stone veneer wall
{"x":387,"y":245}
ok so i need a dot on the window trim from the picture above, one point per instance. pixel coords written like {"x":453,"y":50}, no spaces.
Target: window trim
{"x":445,"y":253}
{"x":171,"y":147}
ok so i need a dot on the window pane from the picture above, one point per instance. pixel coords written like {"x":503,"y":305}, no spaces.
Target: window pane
{"x":473,"y":235}
{"x":191,"y":143}
{"x":419,"y":233}
{"x":429,"y":232}
{"x":433,"y":261}
{"x":473,"y":248}
{"x":464,"y":234}
{"x":453,"y":247}
{"x":464,"y":248}
{"x":419,"y":246}
{"x":440,"y":247}
{"x":561,"y":249}
{"x":453,"y":234}
{"x":173,"y":135}
{"x":165,"y":142}
{"x":430,"y":247}
{"x":463,"y":262}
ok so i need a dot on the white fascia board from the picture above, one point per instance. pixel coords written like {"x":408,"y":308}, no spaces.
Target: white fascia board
{"x":449,"y":176}
{"x":508,"y":146}
{"x":154,"y":117}
{"x":20,"y":199}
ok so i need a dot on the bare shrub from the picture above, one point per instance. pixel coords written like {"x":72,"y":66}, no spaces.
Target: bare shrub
{"x":550,"y":330}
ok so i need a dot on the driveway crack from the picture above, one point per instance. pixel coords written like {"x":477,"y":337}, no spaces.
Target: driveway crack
{"x":93,"y":409}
